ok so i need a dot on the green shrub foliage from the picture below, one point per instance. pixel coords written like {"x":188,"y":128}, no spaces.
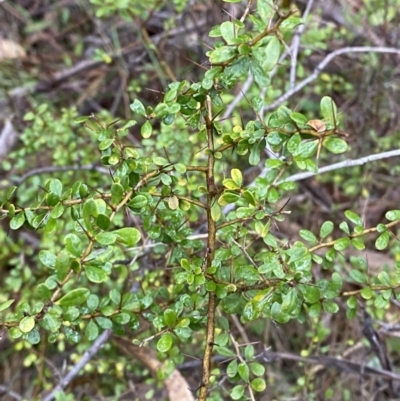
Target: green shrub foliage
{"x":172,"y":233}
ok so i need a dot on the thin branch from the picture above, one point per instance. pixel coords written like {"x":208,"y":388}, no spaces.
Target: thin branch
{"x":238,"y":97}
{"x":342,"y":365}
{"x":248,"y":257}
{"x":317,"y":71}
{"x":54,"y":169}
{"x":296,"y":45}
{"x":10,"y":393}
{"x":336,"y":166}
{"x":87,"y":356}
{"x":8,"y":138}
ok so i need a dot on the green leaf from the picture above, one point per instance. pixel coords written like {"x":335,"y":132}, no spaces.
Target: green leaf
{"x":272,"y":53}
{"x":382,"y":241}
{"x":228,"y":31}
{"x":137,"y":107}
{"x":138,"y":201}
{"x":103,"y":145}
{"x":330,"y":306}
{"x":6,"y":304}
{"x":169,"y":317}
{"x":335,"y":145}
{"x":306,"y":150}
{"x":173,"y":202}
{"x":393,"y":215}
{"x":273,"y":195}
{"x":231,"y":369}
{"x":344,"y":227}
{"x":237,"y":177}
{"x":223,"y":53}
{"x":128,"y":236}
{"x":43,"y":292}
{"x":341,"y":244}
{"x":95,"y":274}
{"x":117,"y":193}
{"x":55,"y":186}
{"x":115,"y":296}
{"x":103,"y":221}
{"x":358,"y":244}
{"x":352,"y":302}
{"x":74,"y":297}
{"x":308,"y":236}
{"x":328,"y":109}
{"x":254,"y":157}
{"x":293,"y":143}
{"x":258,"y":384}
{"x":9,"y":193}
{"x":92,"y":302}
{"x":326,"y":229}
{"x":227,"y":198}
{"x":57,"y":211}
{"x":215,"y":212}
{"x":73,"y":244}
{"x":165,"y":342}
{"x":146,"y":130}
{"x":121,"y":318}
{"x":358,"y":276}
{"x":384,"y":278}
{"x":243,"y":371}
{"x":229,"y":183}
{"x":33,"y":337}
{"x":91,"y":331}
{"x":259,"y":74}
{"x":27,"y":324}
{"x":298,"y":118}
{"x":249,"y":352}
{"x":289,"y":301}
{"x":380,"y":302}
{"x":366,"y":293}
{"x":315,"y":310}
{"x":52,"y":199}
{"x":249,"y":197}
{"x":170,"y":96}
{"x":311,"y":293}
{"x":106,"y":238}
{"x":104,"y":322}
{"x":17,"y":221}
{"x":237,"y":392}
{"x":89,"y":210}
{"x":48,"y":259}
{"x":265,"y":10}
{"x":257,"y":369}
{"x":291,"y":23}
{"x":353,"y":217}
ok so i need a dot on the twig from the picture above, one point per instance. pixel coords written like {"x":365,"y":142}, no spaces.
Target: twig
{"x":53,"y":169}
{"x":8,"y":138}
{"x":323,"y":64}
{"x":248,"y":257}
{"x":10,"y":393}
{"x":296,"y":44}
{"x":342,"y":365}
{"x":336,"y":166}
{"x":238,"y":97}
{"x":87,"y":356}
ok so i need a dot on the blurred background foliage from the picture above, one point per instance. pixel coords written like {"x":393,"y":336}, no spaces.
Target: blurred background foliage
{"x":63,"y":59}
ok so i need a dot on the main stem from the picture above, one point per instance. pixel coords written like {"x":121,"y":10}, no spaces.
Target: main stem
{"x":211,"y":193}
